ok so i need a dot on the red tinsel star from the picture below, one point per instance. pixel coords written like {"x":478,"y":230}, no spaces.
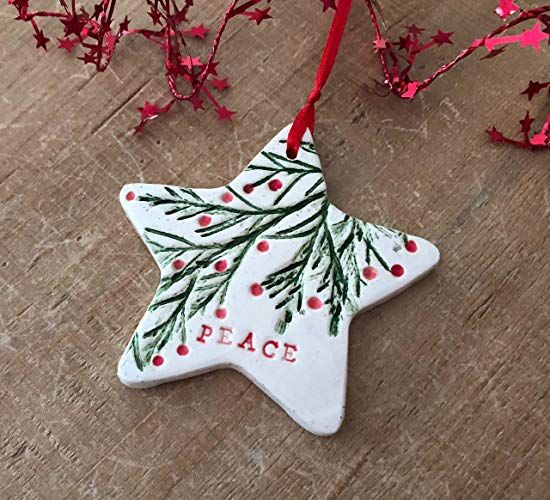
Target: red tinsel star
{"x":123,"y":26}
{"x":74,"y":24}
{"x":220,"y":84}
{"x":412,"y":89}
{"x":191,"y":62}
{"x":212,"y":69}
{"x":224,"y":113}
{"x":533,"y":37}
{"x":495,"y":136}
{"x":380,"y":44}
{"x":98,"y":8}
{"x":506,"y":8}
{"x":148,"y":110}
{"x":414,"y":30}
{"x":88,"y":58}
{"x":526,"y":124}
{"x":442,"y":37}
{"x":154,"y":14}
{"x":540,"y":139}
{"x":67,"y":44}
{"x":196,"y":101}
{"x":329,"y":4}
{"x":199,"y":31}
{"x":41,"y":40}
{"x":258,"y":15}
{"x":22,"y":7}
{"x":534,"y":88}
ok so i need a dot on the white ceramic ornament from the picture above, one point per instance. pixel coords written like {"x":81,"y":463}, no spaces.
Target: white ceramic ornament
{"x":264,"y":276}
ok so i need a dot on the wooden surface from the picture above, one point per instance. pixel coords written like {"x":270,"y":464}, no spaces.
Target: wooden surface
{"x":448,"y":382}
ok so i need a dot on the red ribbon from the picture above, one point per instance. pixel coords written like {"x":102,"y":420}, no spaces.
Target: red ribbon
{"x":306,"y":116}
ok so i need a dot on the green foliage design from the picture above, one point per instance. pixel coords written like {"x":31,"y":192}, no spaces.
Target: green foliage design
{"x":329,"y":256}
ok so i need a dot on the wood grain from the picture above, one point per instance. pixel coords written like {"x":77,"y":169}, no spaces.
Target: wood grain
{"x":448,"y":383}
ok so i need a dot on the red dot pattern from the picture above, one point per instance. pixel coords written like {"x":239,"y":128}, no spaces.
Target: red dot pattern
{"x":263,"y":246}
{"x":314,"y":303}
{"x":275,"y":184}
{"x":397,"y":270}
{"x":220,"y":266}
{"x":411,"y":246}
{"x":221,"y":313}
{"x":182,"y":350}
{"x":130,"y":195}
{"x":158,"y":360}
{"x":370,"y":273}
{"x":227,"y":197}
{"x":256,"y":289}
{"x":205,"y":220}
{"x":248,"y":188}
{"x":178,"y":264}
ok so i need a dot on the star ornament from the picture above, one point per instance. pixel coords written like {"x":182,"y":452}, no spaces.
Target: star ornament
{"x":263,"y":275}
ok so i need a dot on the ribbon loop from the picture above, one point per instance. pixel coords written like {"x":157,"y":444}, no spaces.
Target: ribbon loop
{"x":306,"y":116}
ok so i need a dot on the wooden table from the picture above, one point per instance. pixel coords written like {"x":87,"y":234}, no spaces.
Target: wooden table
{"x":448,"y":391}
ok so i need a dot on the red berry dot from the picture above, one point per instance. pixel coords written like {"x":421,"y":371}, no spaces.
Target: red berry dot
{"x":220,"y":266}
{"x":178,"y":264}
{"x":158,"y":360}
{"x":227,"y":197}
{"x":205,"y":220}
{"x":182,"y":350}
{"x":263,"y":246}
{"x":314,"y":303}
{"x":275,"y":185}
{"x":397,"y":270}
{"x":221,"y":313}
{"x":130,"y":195}
{"x":411,"y":246}
{"x":370,"y":273}
{"x":248,"y":188}
{"x":256,"y":289}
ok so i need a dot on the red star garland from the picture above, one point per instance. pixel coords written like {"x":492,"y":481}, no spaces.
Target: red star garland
{"x":398,"y":59}
{"x":41,"y":40}
{"x":328,"y":4}
{"x":67,"y":44}
{"x":155,"y":16}
{"x":506,"y":8}
{"x":538,"y":140}
{"x":199,"y":31}
{"x":259,"y":15}
{"x":220,"y":84}
{"x":224,"y":113}
{"x":97,"y":35}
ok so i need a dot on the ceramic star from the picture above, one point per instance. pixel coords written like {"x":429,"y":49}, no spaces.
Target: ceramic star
{"x":264,"y":276}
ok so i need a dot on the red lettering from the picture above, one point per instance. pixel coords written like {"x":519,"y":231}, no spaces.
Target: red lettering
{"x":290,"y":349}
{"x":206,"y":332}
{"x":270,"y":349}
{"x":225,"y":333}
{"x":274,"y":343}
{"x":248,"y":342}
